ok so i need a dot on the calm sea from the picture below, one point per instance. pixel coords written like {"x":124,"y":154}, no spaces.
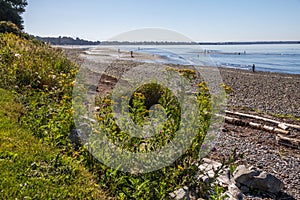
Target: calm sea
{"x":284,"y":58}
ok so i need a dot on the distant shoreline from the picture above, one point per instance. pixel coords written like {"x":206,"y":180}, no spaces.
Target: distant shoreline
{"x":197,"y":43}
{"x":77,"y":42}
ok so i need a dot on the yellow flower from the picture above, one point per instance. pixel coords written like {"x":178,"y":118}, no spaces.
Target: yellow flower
{"x":180,"y":168}
{"x":107,"y":101}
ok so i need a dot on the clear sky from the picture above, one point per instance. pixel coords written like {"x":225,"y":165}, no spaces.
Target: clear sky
{"x":200,"y":20}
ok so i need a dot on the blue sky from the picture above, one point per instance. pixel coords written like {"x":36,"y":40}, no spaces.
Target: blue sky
{"x":200,"y":20}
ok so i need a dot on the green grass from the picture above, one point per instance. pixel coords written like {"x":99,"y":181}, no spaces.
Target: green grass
{"x":33,"y":170}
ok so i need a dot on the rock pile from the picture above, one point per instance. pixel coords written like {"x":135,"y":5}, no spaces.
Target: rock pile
{"x":243,"y":181}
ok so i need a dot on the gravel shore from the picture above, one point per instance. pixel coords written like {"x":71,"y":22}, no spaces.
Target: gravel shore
{"x":265,"y":91}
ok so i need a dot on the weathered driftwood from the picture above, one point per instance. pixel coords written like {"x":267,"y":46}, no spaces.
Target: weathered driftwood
{"x":279,"y":124}
{"x":288,"y":141}
{"x":254,"y":125}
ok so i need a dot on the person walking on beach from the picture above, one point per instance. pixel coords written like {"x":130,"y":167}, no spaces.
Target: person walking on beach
{"x":253,"y":68}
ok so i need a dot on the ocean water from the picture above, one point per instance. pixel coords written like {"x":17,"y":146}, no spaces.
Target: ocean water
{"x":283,"y":58}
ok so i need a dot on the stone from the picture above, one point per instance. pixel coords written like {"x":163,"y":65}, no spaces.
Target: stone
{"x":180,"y":194}
{"x":224,"y":178}
{"x":244,"y":189}
{"x":267,"y":182}
{"x":242,"y":174}
{"x":233,"y":193}
{"x":172,"y":195}
{"x":255,"y":179}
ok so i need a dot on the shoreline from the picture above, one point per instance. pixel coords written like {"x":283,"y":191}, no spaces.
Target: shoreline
{"x":166,"y":56}
{"x":270,"y":92}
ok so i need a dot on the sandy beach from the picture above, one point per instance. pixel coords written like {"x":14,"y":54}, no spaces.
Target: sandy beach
{"x":272,"y":95}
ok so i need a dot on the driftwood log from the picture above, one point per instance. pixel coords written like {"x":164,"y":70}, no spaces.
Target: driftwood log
{"x":279,"y":124}
{"x":237,"y":121}
{"x":288,"y":141}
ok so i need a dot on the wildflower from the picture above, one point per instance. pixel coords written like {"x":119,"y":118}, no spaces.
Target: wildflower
{"x":180,"y":167}
{"x":64,"y":75}
{"x":17,"y":55}
{"x":107,"y":101}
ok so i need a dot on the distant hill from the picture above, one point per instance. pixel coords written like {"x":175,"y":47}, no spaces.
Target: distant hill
{"x":71,"y":41}
{"x":66,"y":41}
{"x":249,"y":43}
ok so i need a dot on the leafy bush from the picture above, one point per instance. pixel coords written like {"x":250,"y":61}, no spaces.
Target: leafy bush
{"x":8,"y":27}
{"x":156,"y":184}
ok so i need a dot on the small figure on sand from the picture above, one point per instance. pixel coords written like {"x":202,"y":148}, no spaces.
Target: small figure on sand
{"x":253,"y":68}
{"x":131,"y":54}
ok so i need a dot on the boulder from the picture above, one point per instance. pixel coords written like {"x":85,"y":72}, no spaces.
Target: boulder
{"x":254,"y":179}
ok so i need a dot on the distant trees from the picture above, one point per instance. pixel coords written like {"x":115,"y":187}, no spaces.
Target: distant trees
{"x":11,"y":10}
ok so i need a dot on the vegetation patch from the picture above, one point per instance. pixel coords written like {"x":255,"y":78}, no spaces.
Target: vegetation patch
{"x":33,"y":170}
{"x":41,"y":79}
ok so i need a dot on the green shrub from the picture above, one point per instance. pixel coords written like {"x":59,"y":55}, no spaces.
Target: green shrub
{"x":156,"y":184}
{"x":8,"y":27}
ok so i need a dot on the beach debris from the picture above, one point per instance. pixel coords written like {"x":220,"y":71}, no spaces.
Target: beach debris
{"x":238,"y":121}
{"x":288,"y":141}
{"x":283,"y":126}
{"x":279,"y":124}
{"x":284,"y":133}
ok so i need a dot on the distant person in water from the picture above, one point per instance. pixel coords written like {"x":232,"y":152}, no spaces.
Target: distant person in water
{"x":253,"y":68}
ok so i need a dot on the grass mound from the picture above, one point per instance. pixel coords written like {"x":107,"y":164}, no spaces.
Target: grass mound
{"x":33,"y":170}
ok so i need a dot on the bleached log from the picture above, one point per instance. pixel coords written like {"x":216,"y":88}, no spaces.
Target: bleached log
{"x":279,"y":124}
{"x":288,"y":141}
{"x":254,"y":125}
